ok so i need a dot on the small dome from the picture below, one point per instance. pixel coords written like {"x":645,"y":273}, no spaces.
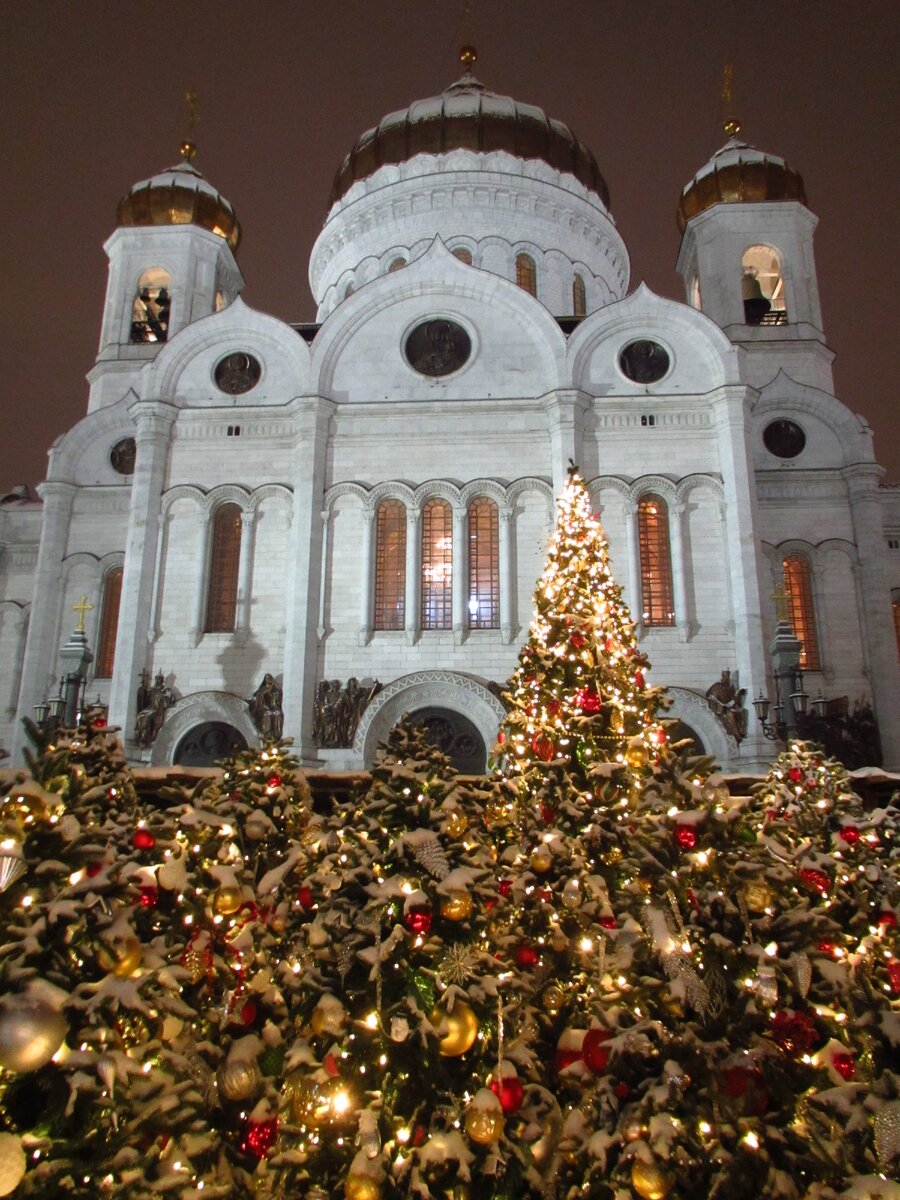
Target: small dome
{"x":180,"y":196}
{"x":468,"y":117}
{"x":739,"y":174}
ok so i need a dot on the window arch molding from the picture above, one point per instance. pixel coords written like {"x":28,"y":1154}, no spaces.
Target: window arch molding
{"x":526,"y":269}
{"x":652,"y":519}
{"x":112,"y":569}
{"x":816,"y":557}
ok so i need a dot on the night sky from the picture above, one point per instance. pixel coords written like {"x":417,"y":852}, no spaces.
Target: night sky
{"x":94,"y":102}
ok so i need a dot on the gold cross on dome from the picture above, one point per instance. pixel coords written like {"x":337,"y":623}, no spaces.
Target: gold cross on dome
{"x":81,"y":608}
{"x":781,"y":598}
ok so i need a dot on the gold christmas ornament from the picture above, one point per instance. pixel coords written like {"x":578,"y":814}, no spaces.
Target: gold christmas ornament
{"x":12,"y":1163}
{"x":645,"y":884}
{"x":361,"y":1187}
{"x":553,"y":999}
{"x":457,"y":823}
{"x":228,"y":899}
{"x":462,"y":1028}
{"x":31,"y":1032}
{"x":121,"y":959}
{"x":757,"y":894}
{"x":457,"y":906}
{"x":611,"y":856}
{"x":636,"y":753}
{"x":239,"y":1078}
{"x":328,"y":1016}
{"x":541,"y":859}
{"x":484,"y":1118}
{"x":649,"y":1181}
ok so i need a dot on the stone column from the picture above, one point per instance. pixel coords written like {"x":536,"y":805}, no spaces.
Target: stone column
{"x":245,"y":572}
{"x":367,"y":576}
{"x":39,"y":664}
{"x":679,"y":573}
{"x":460,"y":574}
{"x":565,"y":424}
{"x":508,"y":595}
{"x":413,"y":575}
{"x":201,"y":584}
{"x":312,"y":420}
{"x":877,"y":624}
{"x":635,"y":597}
{"x":153,"y":426}
{"x":731,"y":410}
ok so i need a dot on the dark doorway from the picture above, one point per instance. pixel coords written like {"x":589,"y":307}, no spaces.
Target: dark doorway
{"x":206,"y":745}
{"x":456,"y":736}
{"x":678,"y":731}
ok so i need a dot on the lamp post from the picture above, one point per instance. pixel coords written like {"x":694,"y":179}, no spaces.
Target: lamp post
{"x":64,"y":709}
{"x":791,"y":700}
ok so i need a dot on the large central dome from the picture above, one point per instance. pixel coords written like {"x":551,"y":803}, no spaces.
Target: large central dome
{"x":469,"y":117}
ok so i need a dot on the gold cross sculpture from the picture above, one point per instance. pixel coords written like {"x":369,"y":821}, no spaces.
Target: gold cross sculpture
{"x":782,"y":599}
{"x":81,"y":608}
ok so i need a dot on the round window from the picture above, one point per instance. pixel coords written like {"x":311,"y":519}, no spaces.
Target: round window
{"x":438,"y":347}
{"x":784,"y":439}
{"x":237,"y":373}
{"x":122,"y":455}
{"x":644,"y":361}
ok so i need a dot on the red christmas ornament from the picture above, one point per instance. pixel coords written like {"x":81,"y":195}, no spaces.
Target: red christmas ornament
{"x":510,"y":1092}
{"x":893,"y":970}
{"x":543,"y":747}
{"x":849,"y":834}
{"x":639,"y":679}
{"x":887,"y":919}
{"x":660,"y":737}
{"x":330,"y":1064}
{"x":815,"y":880}
{"x":594,"y":1050}
{"x":554,"y":707}
{"x":622,"y":1091}
{"x":827,"y":948}
{"x":685,"y":836}
{"x":735,"y":1081}
{"x":274,"y":781}
{"x":526,"y":955}
{"x":99,"y":722}
{"x":795,"y":775}
{"x":260,"y":1137}
{"x":794,"y":1032}
{"x":844,"y":1065}
{"x":420,"y":1132}
{"x":565,"y":1058}
{"x":544,"y":894}
{"x":305,"y":896}
{"x":92,"y":870}
{"x":143,"y":839}
{"x":608,"y":922}
{"x":501,"y":738}
{"x":418,"y":920}
{"x":548,"y":814}
{"x":148,"y":897}
{"x":577,"y":640}
{"x":504,"y":887}
{"x":588,"y":700}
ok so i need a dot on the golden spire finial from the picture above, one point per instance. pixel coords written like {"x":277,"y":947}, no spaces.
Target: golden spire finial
{"x":468,"y":56}
{"x":730,"y":124}
{"x":782,"y":602}
{"x":82,"y":607}
{"x":189,"y":145}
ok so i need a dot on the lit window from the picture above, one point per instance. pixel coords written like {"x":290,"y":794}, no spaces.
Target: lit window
{"x":696,"y":296}
{"x":464,"y":255}
{"x":390,"y":565}
{"x":397,"y":265}
{"x":579,"y":298}
{"x":656,"y":565}
{"x":895,"y":605}
{"x":762,"y":287}
{"x":484,"y":565}
{"x":800,"y":610}
{"x":526,"y":274}
{"x":437,"y":565}
{"x":224,"y":559}
{"x":151,"y":307}
{"x":109,"y":624}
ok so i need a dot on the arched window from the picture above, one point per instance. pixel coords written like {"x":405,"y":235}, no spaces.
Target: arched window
{"x":152,"y":303}
{"x":390,"y":565}
{"x":224,"y":560}
{"x":800,"y":610}
{"x":526,"y":274}
{"x":109,"y":624}
{"x":579,"y":298}
{"x":464,"y":255}
{"x":484,"y":564}
{"x":657,"y":607}
{"x":397,"y":265}
{"x":762,"y":286}
{"x":437,"y":565}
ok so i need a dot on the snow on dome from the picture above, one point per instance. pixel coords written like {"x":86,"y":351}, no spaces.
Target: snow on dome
{"x":180,"y":195}
{"x":739,"y":173}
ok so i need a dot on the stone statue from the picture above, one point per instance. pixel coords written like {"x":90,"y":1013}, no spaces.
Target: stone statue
{"x":266,"y":711}
{"x":337,"y":710}
{"x":153,"y":703}
{"x":728,"y":704}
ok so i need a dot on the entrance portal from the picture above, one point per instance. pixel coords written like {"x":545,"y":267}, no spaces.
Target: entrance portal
{"x":455,"y":736}
{"x":207,"y":744}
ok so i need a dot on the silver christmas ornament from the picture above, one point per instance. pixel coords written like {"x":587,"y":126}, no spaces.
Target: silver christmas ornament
{"x":31,"y":1032}
{"x":12,"y":864}
{"x":239,"y":1078}
{"x":802,"y":972}
{"x":886,"y":1123}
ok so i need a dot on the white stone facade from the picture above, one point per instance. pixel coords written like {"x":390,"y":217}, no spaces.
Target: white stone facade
{"x":339,"y":420}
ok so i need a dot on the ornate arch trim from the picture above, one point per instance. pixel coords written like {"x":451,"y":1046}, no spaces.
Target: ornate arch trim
{"x":691,"y":708}
{"x":198,"y":709}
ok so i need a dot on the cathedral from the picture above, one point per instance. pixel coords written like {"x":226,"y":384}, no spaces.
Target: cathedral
{"x":312,"y":529}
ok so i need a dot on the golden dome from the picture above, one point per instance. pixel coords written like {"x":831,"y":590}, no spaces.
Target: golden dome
{"x":739,"y":174}
{"x":180,"y":196}
{"x":468,"y":117}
